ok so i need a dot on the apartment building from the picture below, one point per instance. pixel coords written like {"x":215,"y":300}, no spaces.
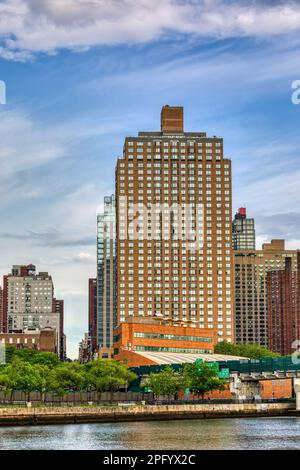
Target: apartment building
{"x":106,"y":277}
{"x":251,"y":268}
{"x":243,"y":231}
{"x":28,"y":303}
{"x":174,"y":230}
{"x":284,"y":307}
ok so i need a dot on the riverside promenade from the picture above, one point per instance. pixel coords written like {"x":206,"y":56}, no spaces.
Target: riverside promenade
{"x":12,"y":416}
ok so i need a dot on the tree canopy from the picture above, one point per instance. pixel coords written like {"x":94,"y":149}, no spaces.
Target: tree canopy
{"x":28,"y":370}
{"x":165,"y":383}
{"x":199,"y":379}
{"x":107,"y":375}
{"x":31,"y":356}
{"x":252,"y":351}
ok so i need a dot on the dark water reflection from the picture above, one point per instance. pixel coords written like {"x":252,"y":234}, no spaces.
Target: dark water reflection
{"x":256,"y":433}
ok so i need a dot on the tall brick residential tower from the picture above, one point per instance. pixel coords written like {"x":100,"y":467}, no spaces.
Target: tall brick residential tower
{"x":284,"y":307}
{"x":251,"y":291}
{"x":174,"y":231}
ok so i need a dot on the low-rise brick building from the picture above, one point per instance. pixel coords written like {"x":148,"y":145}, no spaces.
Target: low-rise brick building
{"x":131,"y":338}
{"x":44,"y":340}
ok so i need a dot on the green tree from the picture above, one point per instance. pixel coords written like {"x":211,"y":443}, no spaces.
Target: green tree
{"x":68,"y":377}
{"x":22,"y":376}
{"x":9,"y":353}
{"x":165,"y":383}
{"x":45,"y":358}
{"x":31,"y":356}
{"x":47,"y":380}
{"x":25,"y":354}
{"x":252,"y":351}
{"x":7,"y":380}
{"x":201,"y":380}
{"x":105,"y":375}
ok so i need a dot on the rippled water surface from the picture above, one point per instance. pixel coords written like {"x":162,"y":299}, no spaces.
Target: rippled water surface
{"x":255,"y":433}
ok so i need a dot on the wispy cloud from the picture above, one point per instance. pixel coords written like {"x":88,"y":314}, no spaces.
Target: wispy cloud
{"x":25,"y":144}
{"x":30,"y":26}
{"x":280,"y":225}
{"x":51,"y":238}
{"x":273,"y":203}
{"x":85,"y":258}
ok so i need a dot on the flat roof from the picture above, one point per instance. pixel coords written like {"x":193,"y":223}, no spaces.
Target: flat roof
{"x":182,"y":358}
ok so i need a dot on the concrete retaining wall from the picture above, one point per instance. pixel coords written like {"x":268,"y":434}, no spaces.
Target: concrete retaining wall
{"x":89,"y":414}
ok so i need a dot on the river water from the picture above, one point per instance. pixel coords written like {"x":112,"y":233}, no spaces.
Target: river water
{"x":240,"y":433}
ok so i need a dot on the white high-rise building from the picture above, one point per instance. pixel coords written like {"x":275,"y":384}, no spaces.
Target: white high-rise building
{"x":28,"y":301}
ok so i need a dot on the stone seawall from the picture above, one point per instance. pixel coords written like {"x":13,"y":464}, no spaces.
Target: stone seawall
{"x":97,"y":414}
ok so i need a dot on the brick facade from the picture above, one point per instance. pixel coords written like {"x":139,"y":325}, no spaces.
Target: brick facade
{"x":284,"y":307}
{"x":160,"y":275}
{"x":251,"y":297}
{"x":45,"y":340}
{"x":131,"y":336}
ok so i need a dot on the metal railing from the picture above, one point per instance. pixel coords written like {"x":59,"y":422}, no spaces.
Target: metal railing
{"x":218,"y":401}
{"x":246,"y":366}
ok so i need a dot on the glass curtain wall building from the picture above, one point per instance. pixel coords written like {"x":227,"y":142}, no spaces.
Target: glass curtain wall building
{"x":243,"y":231}
{"x":106,"y":277}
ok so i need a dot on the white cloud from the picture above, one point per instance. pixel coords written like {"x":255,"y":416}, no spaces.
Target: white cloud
{"x":29,"y":26}
{"x":45,"y":220}
{"x":24,"y":144}
{"x":28,"y":144}
{"x":271,"y":201}
{"x":279,"y":193}
{"x":85,"y":257}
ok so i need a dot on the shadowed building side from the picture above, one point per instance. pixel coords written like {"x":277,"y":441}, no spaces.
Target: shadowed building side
{"x":251,"y":293}
{"x":1,"y":311}
{"x":92,"y":334}
{"x":283,"y":308}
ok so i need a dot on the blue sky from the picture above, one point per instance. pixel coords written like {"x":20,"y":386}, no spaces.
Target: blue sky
{"x":83,"y":74}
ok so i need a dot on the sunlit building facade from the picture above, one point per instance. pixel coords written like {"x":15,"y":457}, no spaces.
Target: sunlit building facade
{"x":174,"y":229}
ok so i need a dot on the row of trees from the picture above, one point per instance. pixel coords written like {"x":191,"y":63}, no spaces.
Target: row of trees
{"x":252,"y":351}
{"x":28,"y":370}
{"x":198,"y":379}
{"x":42,"y":372}
{"x":203,"y":379}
